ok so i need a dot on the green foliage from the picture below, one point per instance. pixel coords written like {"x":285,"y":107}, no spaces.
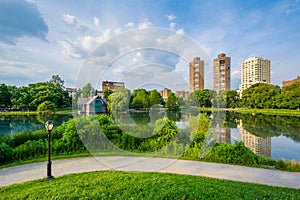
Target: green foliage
{"x":46,"y":107}
{"x":119,"y":100}
{"x":155,"y":98}
{"x":291,"y":166}
{"x":22,"y":137}
{"x":226,"y":99}
{"x":107,"y":92}
{"x":5,"y":153}
{"x":236,"y":154}
{"x":70,"y":136}
{"x":30,"y":149}
{"x":172,"y":102}
{"x":260,"y":95}
{"x":201,"y":98}
{"x":5,"y":96}
{"x":133,"y":185}
{"x":29,"y":97}
{"x":87,"y":90}
{"x":290,"y":97}
{"x":139,"y":99}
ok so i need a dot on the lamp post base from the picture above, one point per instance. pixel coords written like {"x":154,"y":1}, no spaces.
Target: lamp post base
{"x":49,"y":176}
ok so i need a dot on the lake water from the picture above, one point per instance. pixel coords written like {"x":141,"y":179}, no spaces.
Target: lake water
{"x":17,"y":123}
{"x":266,"y":135}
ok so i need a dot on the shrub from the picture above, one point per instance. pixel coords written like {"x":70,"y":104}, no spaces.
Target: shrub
{"x":234,"y":154}
{"x":30,"y":149}
{"x":46,"y":107}
{"x":22,"y":137}
{"x":5,"y":153}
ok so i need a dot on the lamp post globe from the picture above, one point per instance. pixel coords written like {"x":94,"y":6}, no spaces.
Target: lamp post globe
{"x":49,"y":126}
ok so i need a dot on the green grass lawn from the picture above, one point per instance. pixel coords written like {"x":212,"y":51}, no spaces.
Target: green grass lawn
{"x":133,"y":185}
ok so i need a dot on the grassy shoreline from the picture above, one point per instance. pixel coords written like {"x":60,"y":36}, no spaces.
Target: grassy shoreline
{"x":59,"y":112}
{"x":281,"y":112}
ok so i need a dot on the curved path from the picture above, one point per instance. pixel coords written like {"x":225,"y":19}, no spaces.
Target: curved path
{"x":27,"y":172}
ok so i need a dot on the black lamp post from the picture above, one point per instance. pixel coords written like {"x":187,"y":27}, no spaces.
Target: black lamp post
{"x":49,"y":126}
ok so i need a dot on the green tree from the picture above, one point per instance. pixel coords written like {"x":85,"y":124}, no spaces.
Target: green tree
{"x":107,"y":92}
{"x":290,"y":96}
{"x":261,"y":95}
{"x":46,"y":107}
{"x":21,"y":97}
{"x":119,"y":100}
{"x":226,"y":99}
{"x":5,"y":96}
{"x":139,"y":99}
{"x":203,"y":97}
{"x":87,"y":90}
{"x":172,"y":102}
{"x":155,"y":98}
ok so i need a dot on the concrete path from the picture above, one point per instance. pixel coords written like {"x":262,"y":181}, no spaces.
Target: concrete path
{"x":27,"y":172}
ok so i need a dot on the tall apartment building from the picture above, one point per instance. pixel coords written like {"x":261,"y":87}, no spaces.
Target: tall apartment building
{"x":196,"y":74}
{"x":222,"y":72}
{"x":255,"y":70}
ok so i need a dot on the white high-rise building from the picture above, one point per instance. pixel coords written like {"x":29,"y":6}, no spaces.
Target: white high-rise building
{"x":255,"y":70}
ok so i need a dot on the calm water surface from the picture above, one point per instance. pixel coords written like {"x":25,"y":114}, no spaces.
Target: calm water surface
{"x":266,"y":135}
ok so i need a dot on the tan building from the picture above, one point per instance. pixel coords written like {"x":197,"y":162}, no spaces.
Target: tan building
{"x":222,"y":72}
{"x":222,"y":134}
{"x":258,"y":145}
{"x":164,"y":93}
{"x":290,"y":82}
{"x":196,"y":74}
{"x":111,"y":85}
{"x":182,"y":94}
{"x":255,"y":70}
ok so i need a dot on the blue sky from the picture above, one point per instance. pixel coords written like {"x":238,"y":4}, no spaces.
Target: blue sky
{"x":39,"y":38}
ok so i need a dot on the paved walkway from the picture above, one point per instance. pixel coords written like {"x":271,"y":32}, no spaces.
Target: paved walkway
{"x":27,"y":172}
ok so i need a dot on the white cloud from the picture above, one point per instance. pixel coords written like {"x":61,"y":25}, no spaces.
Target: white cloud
{"x":180,"y":31}
{"x":96,"y":21}
{"x":172,"y":25}
{"x":82,"y":46}
{"x":130,"y":24}
{"x":118,"y":31}
{"x":69,"y":19}
{"x":146,"y":23}
{"x":171,"y":17}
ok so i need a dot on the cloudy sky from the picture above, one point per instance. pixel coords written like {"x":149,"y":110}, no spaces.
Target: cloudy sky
{"x":40,"y":38}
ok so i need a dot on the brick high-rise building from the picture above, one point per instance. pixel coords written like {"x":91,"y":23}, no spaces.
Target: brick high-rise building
{"x":255,"y":70}
{"x":222,"y":72}
{"x":196,"y":74}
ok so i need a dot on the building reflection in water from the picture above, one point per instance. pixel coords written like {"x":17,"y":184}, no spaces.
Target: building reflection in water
{"x":222,"y":135}
{"x":258,"y":145}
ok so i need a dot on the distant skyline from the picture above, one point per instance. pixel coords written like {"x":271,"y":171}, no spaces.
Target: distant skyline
{"x":41,"y":38}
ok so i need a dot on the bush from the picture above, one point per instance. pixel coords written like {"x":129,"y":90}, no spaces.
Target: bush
{"x":5,"y":153}
{"x":291,"y":166}
{"x":46,"y":107}
{"x":22,"y":137}
{"x":234,"y":154}
{"x":30,"y":149}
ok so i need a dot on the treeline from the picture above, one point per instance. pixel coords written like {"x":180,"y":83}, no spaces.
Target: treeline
{"x":260,"y":95}
{"x":52,"y":93}
{"x":140,"y":99}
